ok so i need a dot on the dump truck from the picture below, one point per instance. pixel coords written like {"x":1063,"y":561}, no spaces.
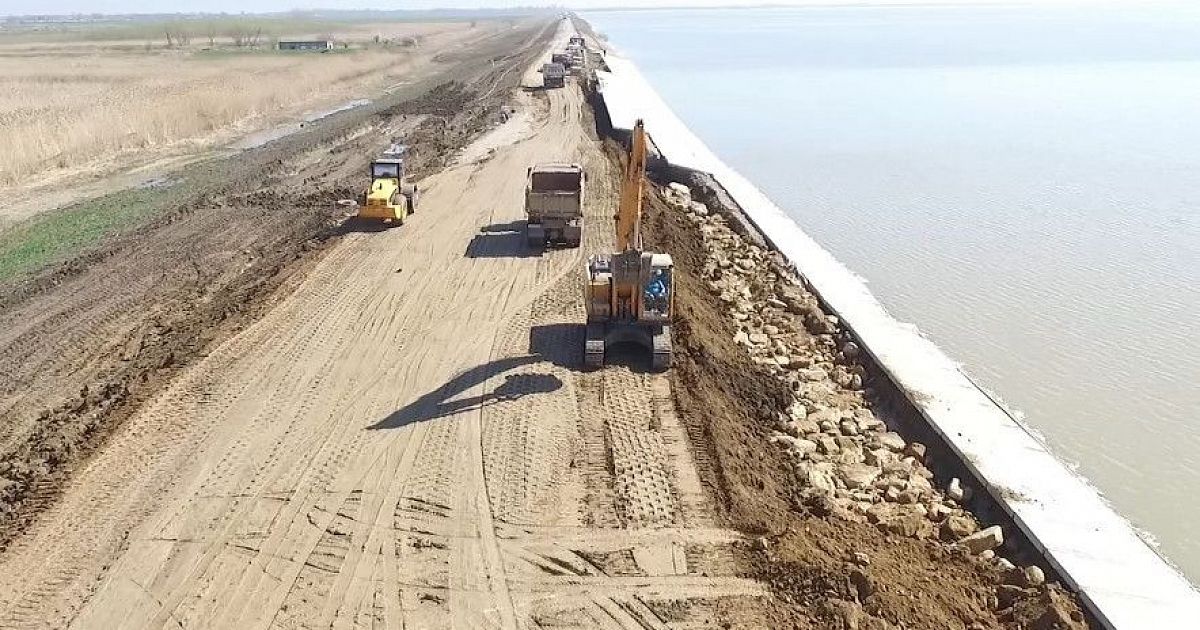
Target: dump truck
{"x":576,"y":41}
{"x":630,"y":294}
{"x":553,"y":75}
{"x":390,"y":197}
{"x":561,"y":58}
{"x":554,"y":204}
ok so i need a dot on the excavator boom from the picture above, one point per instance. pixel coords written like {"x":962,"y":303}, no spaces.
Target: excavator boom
{"x":629,"y":213}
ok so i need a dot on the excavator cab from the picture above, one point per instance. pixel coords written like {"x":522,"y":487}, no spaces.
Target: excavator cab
{"x":658,"y":292}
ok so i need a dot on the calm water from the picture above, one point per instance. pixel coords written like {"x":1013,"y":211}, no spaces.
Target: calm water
{"x":1022,"y":183}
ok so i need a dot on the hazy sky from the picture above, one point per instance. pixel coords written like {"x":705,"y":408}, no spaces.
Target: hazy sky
{"x":20,"y":7}
{"x":24,"y":7}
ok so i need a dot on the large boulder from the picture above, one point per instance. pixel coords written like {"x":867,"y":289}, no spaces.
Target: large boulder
{"x":858,"y":476}
{"x":957,"y":527}
{"x":983,"y":540}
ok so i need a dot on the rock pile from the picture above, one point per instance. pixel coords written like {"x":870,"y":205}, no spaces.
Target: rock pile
{"x":852,"y":464}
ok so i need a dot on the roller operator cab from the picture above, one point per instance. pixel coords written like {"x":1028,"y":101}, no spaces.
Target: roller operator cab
{"x":390,"y":198}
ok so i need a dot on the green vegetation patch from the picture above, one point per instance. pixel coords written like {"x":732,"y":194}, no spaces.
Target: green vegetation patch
{"x":57,"y":235}
{"x":196,"y":29}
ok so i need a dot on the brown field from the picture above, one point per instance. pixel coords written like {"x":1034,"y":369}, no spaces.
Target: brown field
{"x":97,"y":107}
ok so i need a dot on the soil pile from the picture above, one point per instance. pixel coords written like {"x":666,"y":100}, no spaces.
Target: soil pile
{"x":855,"y":532}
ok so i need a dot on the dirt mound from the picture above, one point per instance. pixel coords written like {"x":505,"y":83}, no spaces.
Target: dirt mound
{"x":829,"y":563}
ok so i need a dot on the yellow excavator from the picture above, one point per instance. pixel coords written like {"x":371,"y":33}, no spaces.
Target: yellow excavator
{"x":390,"y":198}
{"x":630,"y":295}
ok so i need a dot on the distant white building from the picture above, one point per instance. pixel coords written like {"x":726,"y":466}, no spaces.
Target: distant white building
{"x":311,"y":44}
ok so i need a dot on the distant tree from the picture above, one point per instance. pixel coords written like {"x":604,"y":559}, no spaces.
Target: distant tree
{"x":177,"y":35}
{"x":210,"y":30}
{"x":244,"y":35}
{"x":237,"y":33}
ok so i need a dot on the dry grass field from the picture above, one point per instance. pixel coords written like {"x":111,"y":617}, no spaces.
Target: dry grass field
{"x":86,"y":105}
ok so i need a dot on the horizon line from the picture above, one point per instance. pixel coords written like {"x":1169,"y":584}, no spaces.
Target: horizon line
{"x":766,"y":4}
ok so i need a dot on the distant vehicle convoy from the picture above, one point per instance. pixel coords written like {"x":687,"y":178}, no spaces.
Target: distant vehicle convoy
{"x":554,"y":74}
{"x":554,"y":204}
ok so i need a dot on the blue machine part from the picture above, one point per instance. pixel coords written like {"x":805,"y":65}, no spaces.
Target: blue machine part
{"x":658,"y":286}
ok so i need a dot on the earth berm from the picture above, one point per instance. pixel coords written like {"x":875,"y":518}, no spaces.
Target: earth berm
{"x":394,"y":430}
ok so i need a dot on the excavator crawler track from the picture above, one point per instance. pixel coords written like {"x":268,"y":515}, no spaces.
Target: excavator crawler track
{"x":662,"y":349}
{"x":593,"y":350}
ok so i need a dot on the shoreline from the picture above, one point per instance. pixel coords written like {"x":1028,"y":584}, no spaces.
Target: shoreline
{"x":1121,"y":580}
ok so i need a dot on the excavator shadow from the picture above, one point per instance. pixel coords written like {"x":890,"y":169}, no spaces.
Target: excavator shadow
{"x":629,"y":355}
{"x":501,"y":240}
{"x":558,"y":344}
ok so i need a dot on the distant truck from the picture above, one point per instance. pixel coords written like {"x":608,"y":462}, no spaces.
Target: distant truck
{"x":554,"y":204}
{"x":561,"y":58}
{"x":577,"y":40}
{"x":553,"y":75}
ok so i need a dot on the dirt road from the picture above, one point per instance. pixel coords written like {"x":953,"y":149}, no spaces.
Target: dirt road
{"x":86,"y":340}
{"x":404,"y":441}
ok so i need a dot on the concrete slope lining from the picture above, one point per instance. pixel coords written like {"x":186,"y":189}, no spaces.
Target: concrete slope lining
{"x":1123,"y":581}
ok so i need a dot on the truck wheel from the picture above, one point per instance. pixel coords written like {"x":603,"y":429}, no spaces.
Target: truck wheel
{"x":535,"y":235}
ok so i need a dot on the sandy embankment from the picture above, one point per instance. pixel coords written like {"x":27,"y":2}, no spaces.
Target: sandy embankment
{"x":857,"y":529}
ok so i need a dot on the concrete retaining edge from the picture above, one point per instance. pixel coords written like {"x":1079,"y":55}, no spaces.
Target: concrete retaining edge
{"x":1120,"y":579}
